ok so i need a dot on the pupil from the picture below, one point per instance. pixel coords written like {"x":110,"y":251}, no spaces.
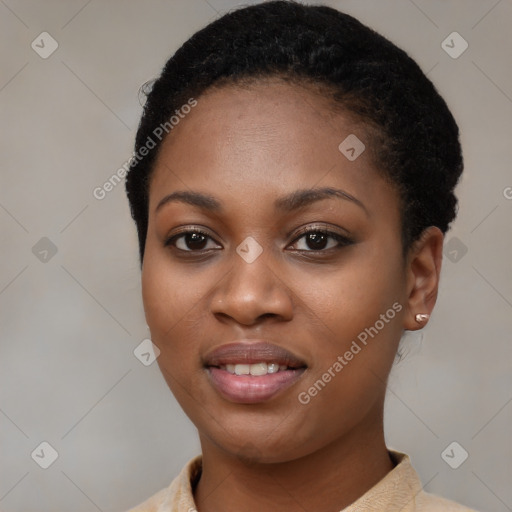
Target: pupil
{"x":195,"y":239}
{"x":317,"y":240}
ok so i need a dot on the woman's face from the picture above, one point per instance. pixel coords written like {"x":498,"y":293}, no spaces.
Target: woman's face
{"x":253,"y":283}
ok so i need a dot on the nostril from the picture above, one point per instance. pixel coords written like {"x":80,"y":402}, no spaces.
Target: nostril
{"x":267,"y":315}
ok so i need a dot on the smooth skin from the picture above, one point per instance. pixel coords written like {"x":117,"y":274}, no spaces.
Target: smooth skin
{"x":246,"y":147}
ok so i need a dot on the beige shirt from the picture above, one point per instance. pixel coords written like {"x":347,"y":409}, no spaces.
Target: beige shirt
{"x":399,"y":491}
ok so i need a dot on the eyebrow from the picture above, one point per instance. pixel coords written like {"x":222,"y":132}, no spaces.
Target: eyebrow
{"x":294,"y":201}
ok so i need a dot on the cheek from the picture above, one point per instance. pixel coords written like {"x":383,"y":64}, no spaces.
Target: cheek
{"x":358,"y":314}
{"x":355,"y":294}
{"x":172,"y":303}
{"x":172,"y":296}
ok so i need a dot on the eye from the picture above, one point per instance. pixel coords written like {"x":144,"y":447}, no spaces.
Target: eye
{"x":312,"y":240}
{"x":191,"y":240}
{"x":321,"y":240}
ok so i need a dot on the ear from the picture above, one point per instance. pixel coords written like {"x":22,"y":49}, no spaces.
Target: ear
{"x":423,"y":270}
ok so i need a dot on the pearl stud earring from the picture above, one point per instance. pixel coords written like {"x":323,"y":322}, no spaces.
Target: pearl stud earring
{"x":422,"y":317}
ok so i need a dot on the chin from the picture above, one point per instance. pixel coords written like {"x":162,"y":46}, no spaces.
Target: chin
{"x":257,"y":445}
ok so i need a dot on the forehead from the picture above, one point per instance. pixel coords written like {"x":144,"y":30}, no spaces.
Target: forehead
{"x":267,"y":136}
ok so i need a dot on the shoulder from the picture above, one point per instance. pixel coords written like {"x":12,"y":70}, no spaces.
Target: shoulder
{"x":404,"y":485}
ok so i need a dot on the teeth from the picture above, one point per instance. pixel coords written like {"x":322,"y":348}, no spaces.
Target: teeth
{"x":242,"y":369}
{"x":272,"y":368}
{"x":256,"y":369}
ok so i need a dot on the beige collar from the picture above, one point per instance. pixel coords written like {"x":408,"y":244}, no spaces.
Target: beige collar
{"x":399,"y":491}
{"x":396,"y":491}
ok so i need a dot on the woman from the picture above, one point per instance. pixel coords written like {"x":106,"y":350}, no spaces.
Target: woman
{"x":292,"y":183}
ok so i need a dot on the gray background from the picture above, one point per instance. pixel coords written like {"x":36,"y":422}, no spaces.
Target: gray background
{"x":71,"y":321}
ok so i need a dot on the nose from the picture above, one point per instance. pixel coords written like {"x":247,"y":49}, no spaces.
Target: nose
{"x":251,"y":292}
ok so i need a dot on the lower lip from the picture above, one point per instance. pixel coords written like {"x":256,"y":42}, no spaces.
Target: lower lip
{"x":249,"y":389}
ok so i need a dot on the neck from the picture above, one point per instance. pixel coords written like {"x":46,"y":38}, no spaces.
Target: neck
{"x":328,"y":479}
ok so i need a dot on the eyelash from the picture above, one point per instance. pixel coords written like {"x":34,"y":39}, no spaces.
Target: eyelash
{"x":342,"y":240}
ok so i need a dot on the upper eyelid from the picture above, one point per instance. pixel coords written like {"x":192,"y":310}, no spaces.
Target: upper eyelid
{"x":323,"y":228}
{"x":315,"y":226}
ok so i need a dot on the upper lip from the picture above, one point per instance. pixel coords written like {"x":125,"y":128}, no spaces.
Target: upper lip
{"x":251,"y":352}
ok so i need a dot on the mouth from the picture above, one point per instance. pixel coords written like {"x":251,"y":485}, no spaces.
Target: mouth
{"x":252,"y":371}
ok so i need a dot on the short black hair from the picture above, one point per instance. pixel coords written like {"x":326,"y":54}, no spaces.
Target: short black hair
{"x":415,"y":137}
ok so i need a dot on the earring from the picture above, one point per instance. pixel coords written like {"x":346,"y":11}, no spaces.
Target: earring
{"x":422,"y":317}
